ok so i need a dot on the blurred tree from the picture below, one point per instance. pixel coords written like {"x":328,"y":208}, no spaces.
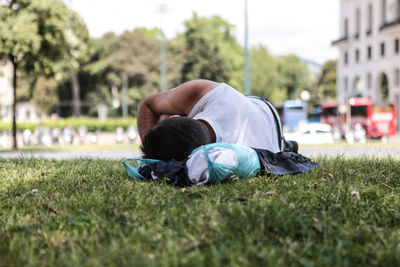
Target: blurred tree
{"x":45,"y":94}
{"x":78,"y":37}
{"x":326,"y":83}
{"x":211,"y":51}
{"x":265,"y":79}
{"x":34,"y":37}
{"x":294,"y":76}
{"x":135,"y":54}
{"x":66,"y":71}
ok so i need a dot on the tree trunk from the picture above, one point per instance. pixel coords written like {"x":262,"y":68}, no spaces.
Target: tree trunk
{"x":75,"y":94}
{"x":14,"y":105}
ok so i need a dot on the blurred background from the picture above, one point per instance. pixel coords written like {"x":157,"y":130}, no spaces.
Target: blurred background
{"x":73,"y":72}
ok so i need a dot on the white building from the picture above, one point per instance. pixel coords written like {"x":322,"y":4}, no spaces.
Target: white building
{"x":25,"y":110}
{"x":6,"y":92}
{"x":369,"y":61}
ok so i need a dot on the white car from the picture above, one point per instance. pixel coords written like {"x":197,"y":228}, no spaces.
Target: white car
{"x":312,"y":133}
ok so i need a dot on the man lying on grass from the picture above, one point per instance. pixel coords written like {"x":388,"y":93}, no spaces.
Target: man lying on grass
{"x":172,"y":124}
{"x":208,"y":112}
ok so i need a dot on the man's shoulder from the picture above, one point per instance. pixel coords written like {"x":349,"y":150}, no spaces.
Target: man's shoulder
{"x":203,"y":85}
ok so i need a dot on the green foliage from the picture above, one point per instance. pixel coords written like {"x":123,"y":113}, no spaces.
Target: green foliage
{"x":278,"y":78}
{"x":44,"y":36}
{"x":265,"y":78}
{"x":135,"y":54}
{"x":326,"y":84}
{"x":88,"y":212}
{"x":52,"y":41}
{"x":19,"y":33}
{"x":35,"y":36}
{"x":39,"y":34}
{"x":92,"y":124}
{"x":211,"y":51}
{"x":45,"y":95}
{"x":295,"y":76}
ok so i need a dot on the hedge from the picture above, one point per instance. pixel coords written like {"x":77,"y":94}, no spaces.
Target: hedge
{"x":92,"y":124}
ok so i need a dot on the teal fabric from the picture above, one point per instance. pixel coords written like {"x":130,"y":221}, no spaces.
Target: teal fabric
{"x":133,"y":171}
{"x":248,"y":163}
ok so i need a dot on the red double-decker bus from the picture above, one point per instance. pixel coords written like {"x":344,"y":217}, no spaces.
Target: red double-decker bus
{"x":377,"y":120}
{"x":330,"y":114}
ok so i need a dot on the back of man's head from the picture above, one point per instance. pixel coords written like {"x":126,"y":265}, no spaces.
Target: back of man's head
{"x":174,"y":138}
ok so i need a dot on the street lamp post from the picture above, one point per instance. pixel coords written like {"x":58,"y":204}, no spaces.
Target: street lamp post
{"x":163,"y":64}
{"x":246,"y":52}
{"x":125,"y":96}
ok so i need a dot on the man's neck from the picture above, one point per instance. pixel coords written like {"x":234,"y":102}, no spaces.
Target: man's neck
{"x":210,"y":131}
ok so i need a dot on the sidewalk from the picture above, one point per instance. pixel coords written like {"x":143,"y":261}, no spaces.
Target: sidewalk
{"x":67,"y":155}
{"x":107,"y":148}
{"x":394,"y":139}
{"x":103,"y":138}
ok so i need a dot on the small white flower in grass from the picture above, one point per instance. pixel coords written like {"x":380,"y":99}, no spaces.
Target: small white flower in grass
{"x":34,"y":192}
{"x":294,"y":182}
{"x":355,"y":195}
{"x":270,"y":193}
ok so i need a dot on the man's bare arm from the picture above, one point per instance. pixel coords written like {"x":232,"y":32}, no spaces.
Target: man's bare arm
{"x":177,"y":101}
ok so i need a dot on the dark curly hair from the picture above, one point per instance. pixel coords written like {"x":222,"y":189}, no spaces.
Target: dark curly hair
{"x":174,"y":138}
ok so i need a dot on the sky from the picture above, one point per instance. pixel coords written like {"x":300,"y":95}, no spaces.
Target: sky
{"x":302,"y":27}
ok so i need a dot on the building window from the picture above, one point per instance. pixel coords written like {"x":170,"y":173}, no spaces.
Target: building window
{"x":358,"y":16}
{"x":369,"y":81}
{"x":396,"y":45}
{"x":346,"y":28}
{"x":346,"y":58}
{"x":369,"y":52}
{"x":370,"y":12}
{"x":398,"y":9}
{"x":383,"y":12}
{"x":345,"y":85}
{"x":382,"y":49}
{"x":397,"y":77}
{"x":357,"y":55}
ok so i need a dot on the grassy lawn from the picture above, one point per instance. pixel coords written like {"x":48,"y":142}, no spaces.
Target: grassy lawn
{"x":85,"y":212}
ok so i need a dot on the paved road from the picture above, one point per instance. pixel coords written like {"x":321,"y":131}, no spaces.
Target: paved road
{"x":63,"y":155}
{"x":350,"y":151}
{"x":122,"y":154}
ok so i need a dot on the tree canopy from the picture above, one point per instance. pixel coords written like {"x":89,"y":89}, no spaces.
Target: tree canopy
{"x":35,"y":36}
{"x":265,"y":78}
{"x":326,"y":82}
{"x":50,"y":47}
{"x":134,"y":54}
{"x":211,"y":51}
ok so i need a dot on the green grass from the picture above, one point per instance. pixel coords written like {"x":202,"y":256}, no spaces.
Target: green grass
{"x":86,"y":212}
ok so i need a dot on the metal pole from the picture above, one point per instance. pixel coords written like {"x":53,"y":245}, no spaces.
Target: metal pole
{"x":124,"y":96}
{"x":163,"y":65}
{"x":163,"y":60}
{"x":247,"y":90}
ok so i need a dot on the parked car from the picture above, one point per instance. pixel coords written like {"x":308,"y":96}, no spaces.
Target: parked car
{"x":312,"y":133}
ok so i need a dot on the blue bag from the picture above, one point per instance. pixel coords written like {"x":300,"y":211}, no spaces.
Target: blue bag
{"x":133,"y":171}
{"x":150,"y":169}
{"x":247,"y":164}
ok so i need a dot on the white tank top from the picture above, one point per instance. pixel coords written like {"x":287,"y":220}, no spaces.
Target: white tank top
{"x":237,"y":119}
